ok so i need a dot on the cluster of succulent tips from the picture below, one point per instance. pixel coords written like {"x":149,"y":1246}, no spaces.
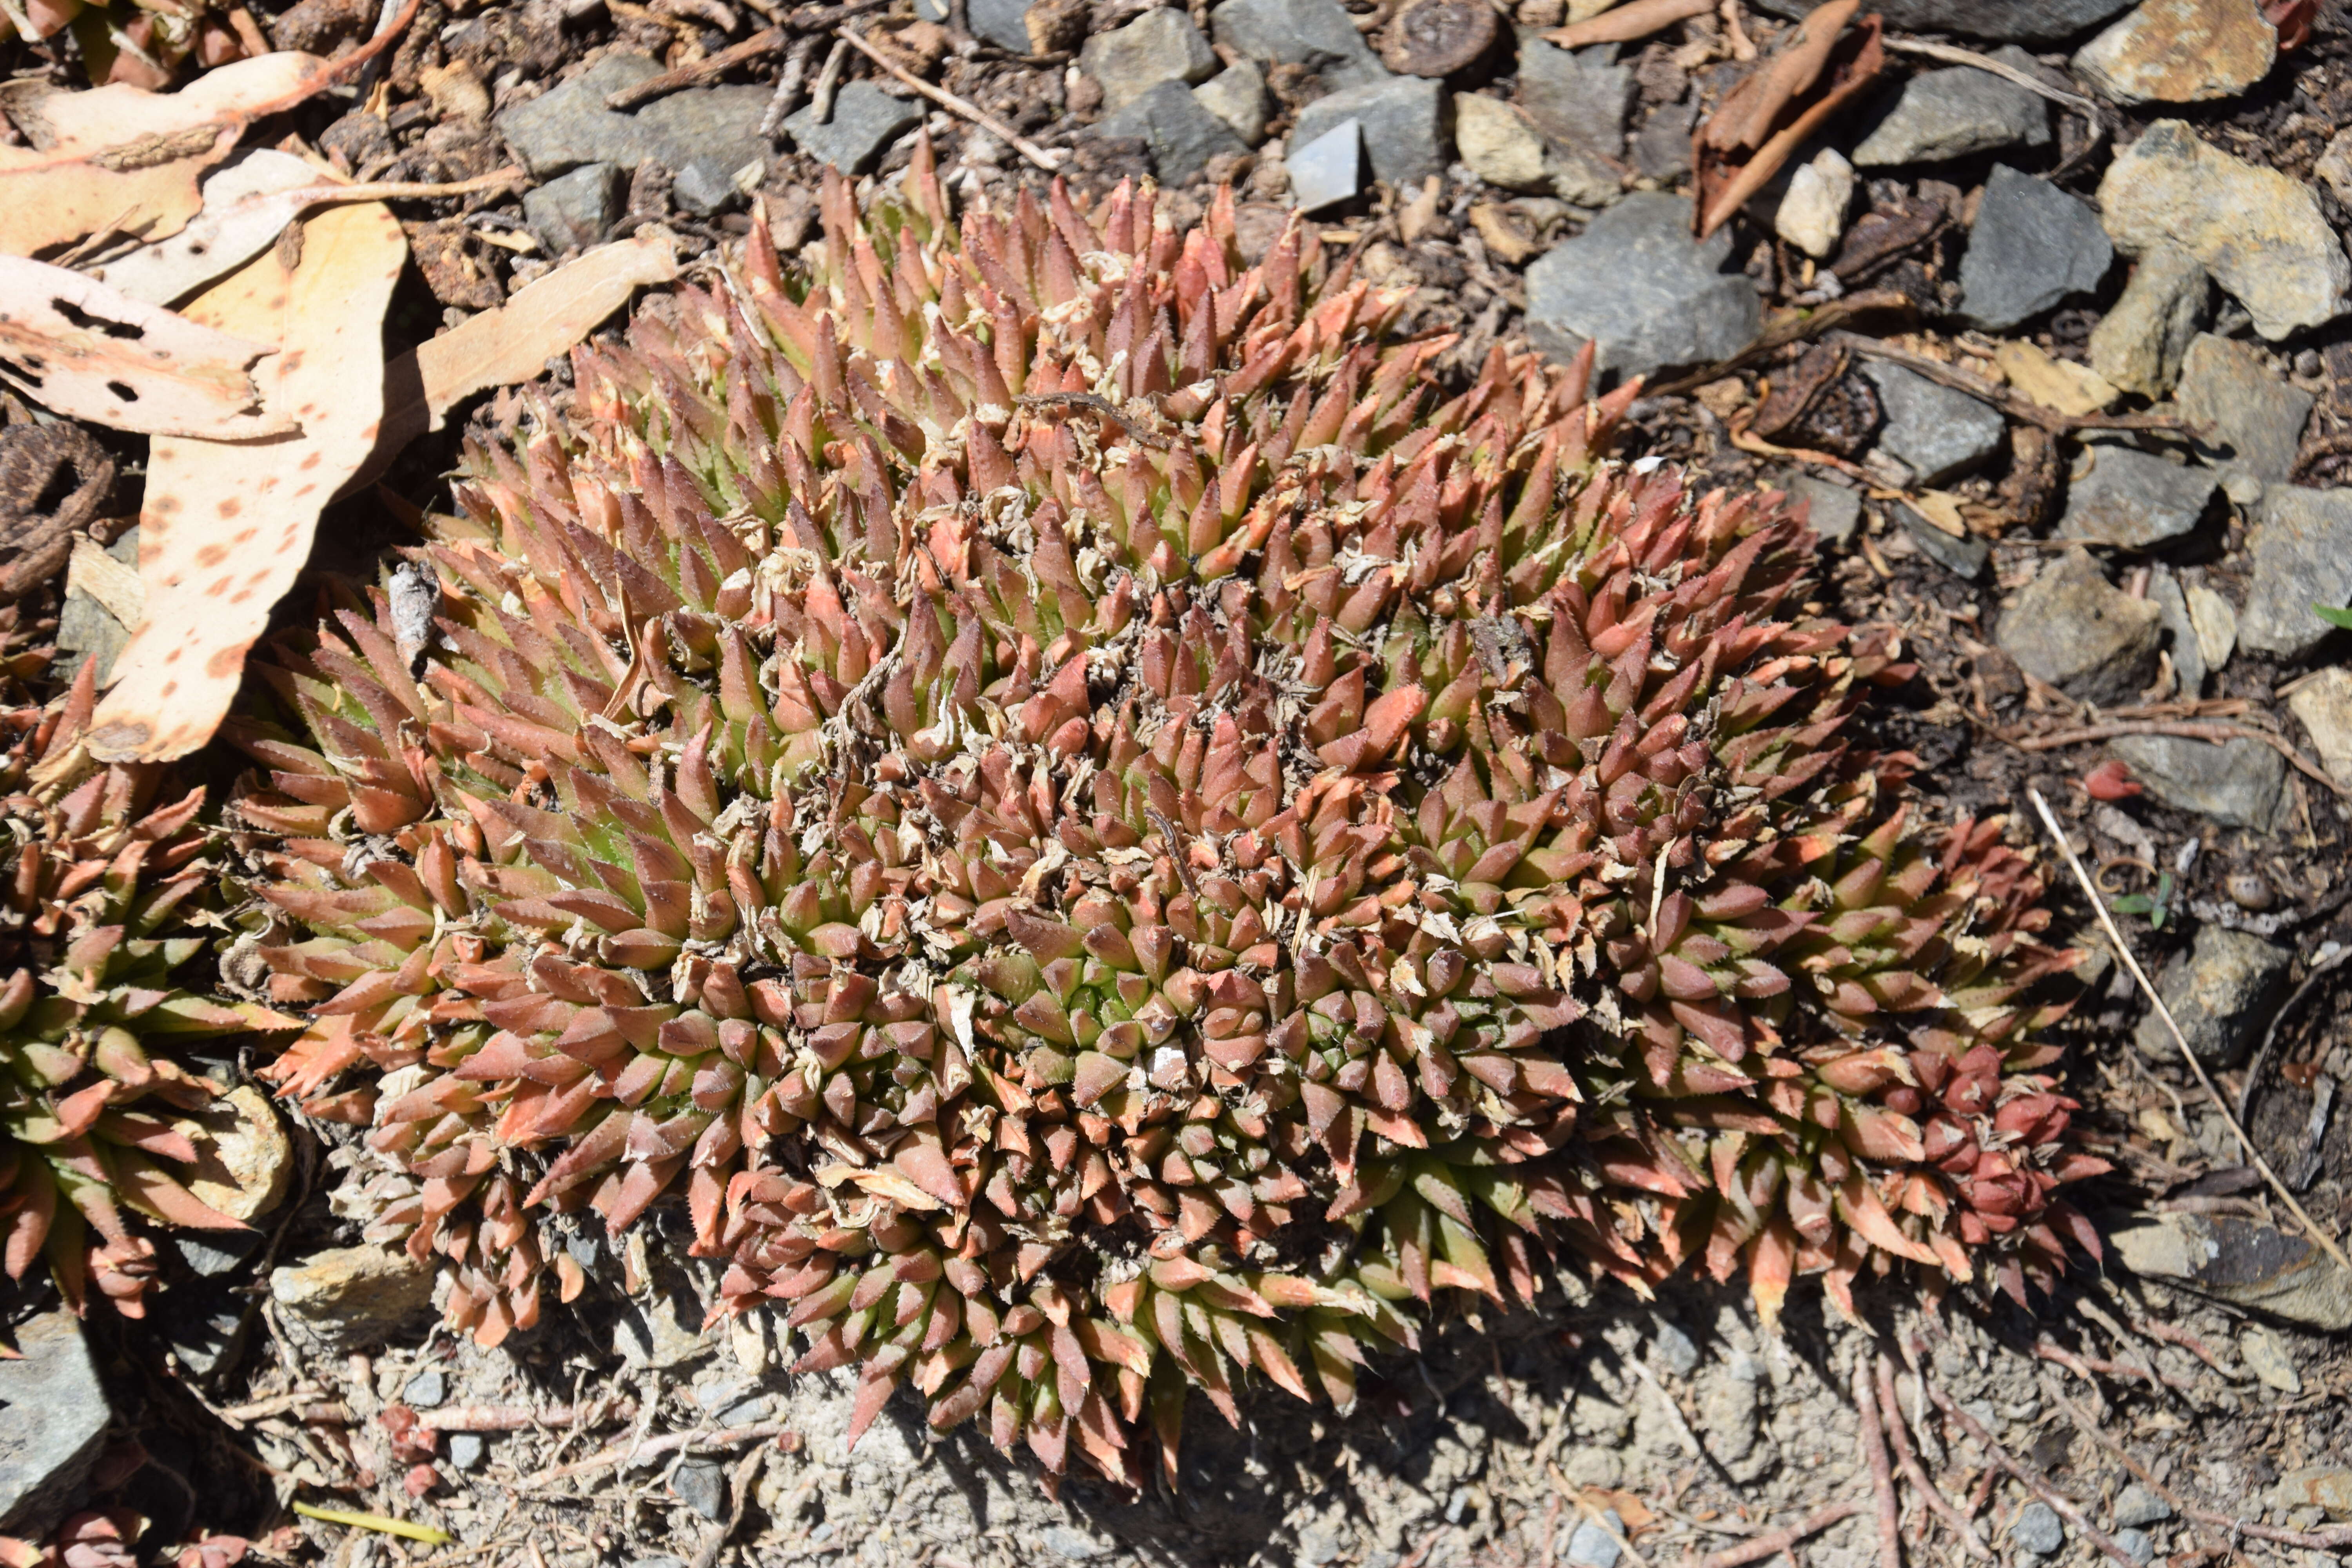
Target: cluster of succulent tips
{"x":1098,"y":835}
{"x":99,"y":929}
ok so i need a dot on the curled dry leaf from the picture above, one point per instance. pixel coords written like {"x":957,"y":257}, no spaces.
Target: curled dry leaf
{"x":123,"y":159}
{"x":54,"y":479}
{"x":514,"y":342}
{"x":1753,"y":108}
{"x":84,"y":350}
{"x":1746,"y":142}
{"x":227,"y":527}
{"x":247,"y":205}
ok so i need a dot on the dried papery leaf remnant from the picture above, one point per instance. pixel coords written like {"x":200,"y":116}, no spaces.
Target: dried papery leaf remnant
{"x":1105,"y":837}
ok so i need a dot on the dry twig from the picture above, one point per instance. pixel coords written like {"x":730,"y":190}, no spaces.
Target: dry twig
{"x":1882,"y":1475}
{"x":2192,"y":729}
{"x":707,"y":69}
{"x":1627,"y":23}
{"x":2122,"y":950}
{"x":1780,"y":1540}
{"x":1048,"y":162}
{"x":1898,"y":1437}
{"x":522,"y":1418}
{"x":787,"y":88}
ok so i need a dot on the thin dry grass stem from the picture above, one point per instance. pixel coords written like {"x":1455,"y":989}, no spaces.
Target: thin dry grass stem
{"x":652,"y":1448}
{"x":2122,"y":950}
{"x":1898,"y":1437}
{"x":1882,"y":1474}
{"x":1951,"y":54}
{"x":2026,"y":1475}
{"x":1780,"y":1540}
{"x":1038,"y":155}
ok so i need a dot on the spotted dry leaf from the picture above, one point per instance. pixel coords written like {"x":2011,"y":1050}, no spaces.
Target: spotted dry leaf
{"x":78,"y":348}
{"x":121,"y":159}
{"x":227,"y":526}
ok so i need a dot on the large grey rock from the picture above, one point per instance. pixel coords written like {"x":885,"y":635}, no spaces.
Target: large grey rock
{"x":2261,"y":233}
{"x":2032,"y":246}
{"x":1182,"y":133}
{"x":2180,"y":51}
{"x":568,"y":125}
{"x":1315,"y":34}
{"x":573,"y":211}
{"x":865,"y":121}
{"x":2244,"y":1263}
{"x":1404,"y":135}
{"x":2139,"y":344}
{"x":53,"y":1416}
{"x":352,"y":1297}
{"x":2236,"y":782}
{"x":2221,"y":992}
{"x":2072,"y":628}
{"x":2135,"y":498}
{"x":2011,"y":21}
{"x":1237,"y":95}
{"x":1328,"y":170}
{"x":2302,"y":553}
{"x":1941,"y":114}
{"x":1580,"y":97}
{"x":1938,"y":434}
{"x":2257,"y":418}
{"x":1637,"y":286}
{"x":1159,"y":46}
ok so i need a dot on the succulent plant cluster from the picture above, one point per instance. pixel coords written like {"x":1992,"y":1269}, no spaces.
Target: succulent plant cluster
{"x":107,"y":861}
{"x":1103,"y":837}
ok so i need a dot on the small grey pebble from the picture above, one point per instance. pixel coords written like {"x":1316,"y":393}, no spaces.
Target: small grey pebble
{"x":657,"y":1563}
{"x":427,"y":1389}
{"x":2136,"y":1505}
{"x":2136,"y":1542}
{"x":1593,"y":1547}
{"x":466,"y":1450}
{"x":2038,"y":1530}
{"x":2308,"y":363}
{"x":702,"y":1486}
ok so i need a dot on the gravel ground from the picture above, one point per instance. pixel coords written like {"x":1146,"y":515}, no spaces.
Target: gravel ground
{"x":1601,"y":1429}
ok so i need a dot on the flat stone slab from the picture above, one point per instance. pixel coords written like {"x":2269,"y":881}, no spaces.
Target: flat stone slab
{"x":1159,"y":45}
{"x":2220,"y":992}
{"x":2032,"y":246}
{"x":53,"y":1419}
{"x":1402,"y":120}
{"x":865,"y":121}
{"x":2071,"y":627}
{"x":1182,"y":133}
{"x":2302,"y":552}
{"x":1942,"y":114}
{"x":2257,"y":416}
{"x":2135,"y":498}
{"x":568,"y":125}
{"x":1580,"y":97}
{"x":2236,"y":782}
{"x":1938,"y":434}
{"x":1317,"y":34}
{"x":1637,"y":286}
